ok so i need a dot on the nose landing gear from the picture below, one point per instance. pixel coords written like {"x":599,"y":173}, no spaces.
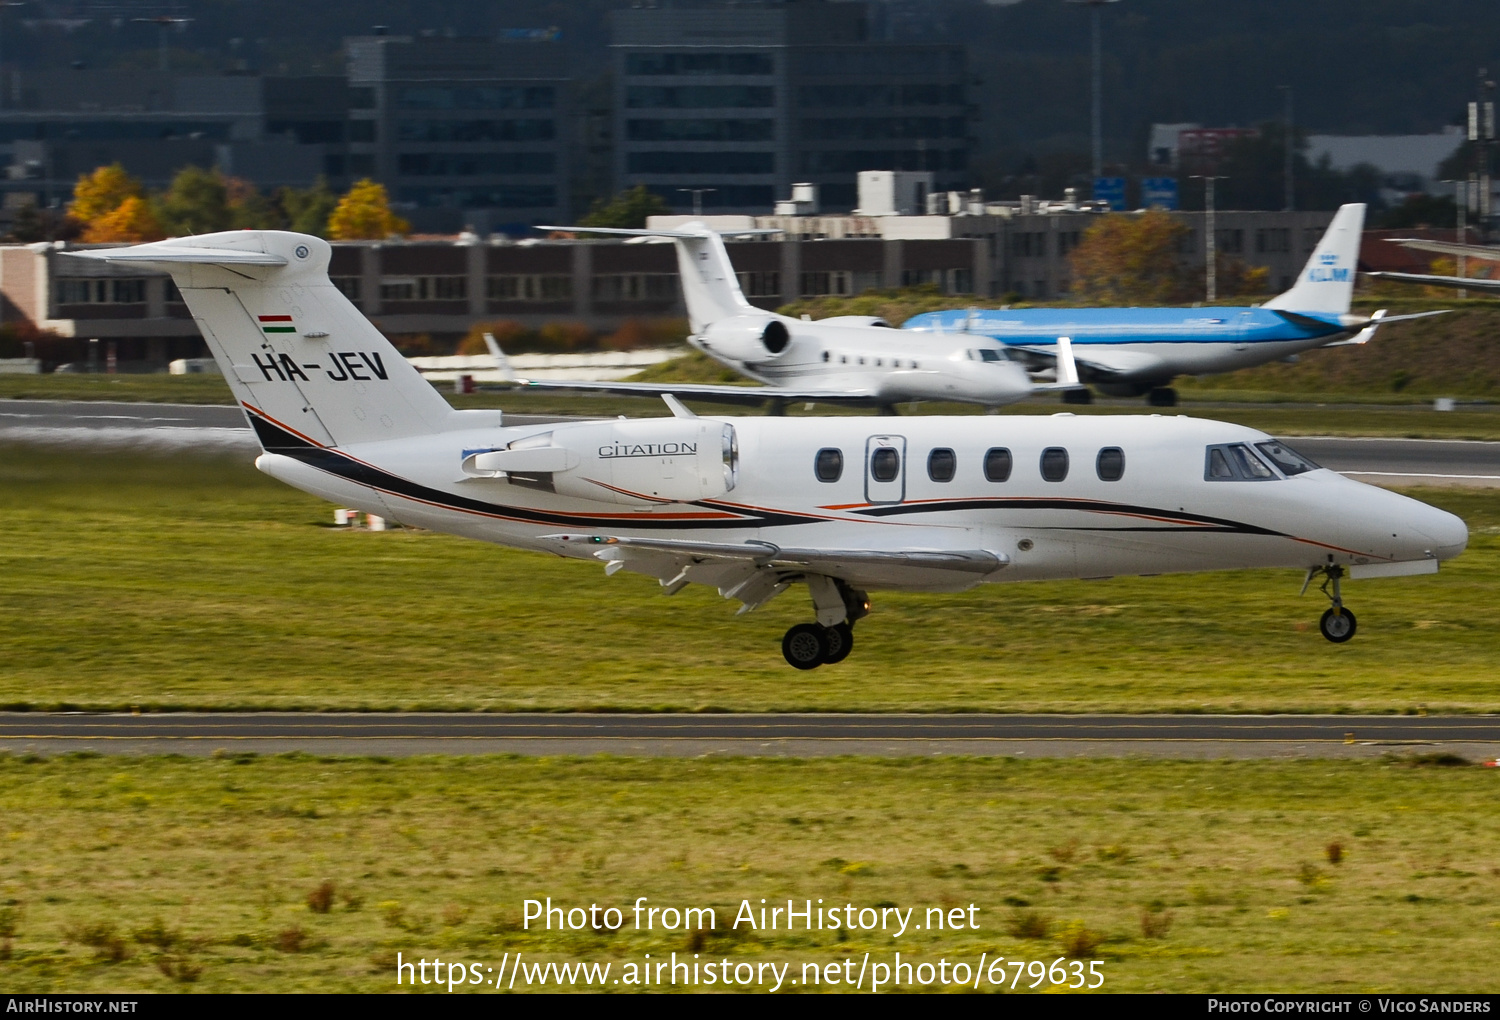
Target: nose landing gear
{"x":810,"y":645}
{"x":1337,"y":623}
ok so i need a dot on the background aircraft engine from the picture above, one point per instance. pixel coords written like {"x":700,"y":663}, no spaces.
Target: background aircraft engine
{"x":747,"y":338}
{"x":638,"y":463}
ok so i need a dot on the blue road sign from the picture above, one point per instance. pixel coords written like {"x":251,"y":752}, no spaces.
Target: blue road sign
{"x":1160,"y":192}
{"x":1111,"y":190}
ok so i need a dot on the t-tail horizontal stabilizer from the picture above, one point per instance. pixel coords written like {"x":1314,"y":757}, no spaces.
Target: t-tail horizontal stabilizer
{"x":710,"y":288}
{"x":306,"y":365}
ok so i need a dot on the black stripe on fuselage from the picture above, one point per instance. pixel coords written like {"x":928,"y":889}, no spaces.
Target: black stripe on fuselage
{"x":276,"y":439}
{"x":1172,"y":520}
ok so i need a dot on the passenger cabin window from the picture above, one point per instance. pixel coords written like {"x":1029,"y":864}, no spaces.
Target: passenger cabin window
{"x":1236,"y":462}
{"x":941,"y":464}
{"x":1110,"y":464}
{"x":1290,"y":461}
{"x":829,"y":465}
{"x":885,"y":464}
{"x":1054,"y":464}
{"x":997,"y":464}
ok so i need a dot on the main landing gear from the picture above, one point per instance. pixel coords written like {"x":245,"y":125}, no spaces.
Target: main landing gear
{"x":831,"y":639}
{"x":1337,"y":624}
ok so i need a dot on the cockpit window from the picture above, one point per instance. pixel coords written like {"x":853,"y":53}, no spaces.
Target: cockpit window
{"x":1236,"y":462}
{"x":1290,"y":461}
{"x":990,"y":354}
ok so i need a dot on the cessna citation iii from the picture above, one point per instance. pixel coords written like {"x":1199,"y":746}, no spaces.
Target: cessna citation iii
{"x":754,"y":505}
{"x":1125,"y":352}
{"x":846,"y":359}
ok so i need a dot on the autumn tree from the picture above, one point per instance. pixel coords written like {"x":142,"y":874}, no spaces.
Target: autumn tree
{"x":364,"y":214}
{"x":1132,"y":260}
{"x":102,"y":192}
{"x":627,"y":210}
{"x":133,"y":220}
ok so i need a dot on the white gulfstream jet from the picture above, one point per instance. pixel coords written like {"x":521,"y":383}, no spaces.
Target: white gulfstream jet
{"x":847,"y":359}
{"x":754,"y":505}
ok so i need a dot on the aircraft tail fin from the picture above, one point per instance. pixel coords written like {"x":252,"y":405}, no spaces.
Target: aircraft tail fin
{"x":306,"y":365}
{"x":710,"y":287}
{"x":1327,"y":281}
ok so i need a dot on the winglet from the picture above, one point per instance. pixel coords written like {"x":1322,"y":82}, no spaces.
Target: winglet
{"x":678,"y":410}
{"x":1067,"y":368}
{"x":501,"y":361}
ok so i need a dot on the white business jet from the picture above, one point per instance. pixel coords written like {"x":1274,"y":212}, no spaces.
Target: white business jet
{"x":846,"y":359}
{"x":753,"y":505}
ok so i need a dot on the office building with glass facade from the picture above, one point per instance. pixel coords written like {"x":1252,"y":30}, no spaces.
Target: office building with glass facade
{"x":463,"y":132}
{"x":737,"y":102}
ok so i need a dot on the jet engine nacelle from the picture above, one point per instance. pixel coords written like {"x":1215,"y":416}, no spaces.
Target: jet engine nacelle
{"x":638,"y":463}
{"x":751,"y":339}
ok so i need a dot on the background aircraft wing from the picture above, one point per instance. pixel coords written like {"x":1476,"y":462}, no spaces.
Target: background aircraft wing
{"x":748,"y":396}
{"x":1467,"y":282}
{"x":1478,"y":251}
{"x":1093,"y":364}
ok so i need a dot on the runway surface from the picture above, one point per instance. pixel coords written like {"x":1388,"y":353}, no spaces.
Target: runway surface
{"x":1378,"y":460}
{"x":692,"y":735}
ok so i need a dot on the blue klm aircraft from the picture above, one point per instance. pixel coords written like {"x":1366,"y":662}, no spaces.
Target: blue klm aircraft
{"x":1132,"y":351}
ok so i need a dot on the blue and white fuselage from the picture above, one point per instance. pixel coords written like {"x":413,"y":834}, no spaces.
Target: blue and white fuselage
{"x":1127,"y":351}
{"x":1148,"y":346}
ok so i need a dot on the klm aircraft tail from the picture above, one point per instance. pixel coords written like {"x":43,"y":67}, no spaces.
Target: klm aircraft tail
{"x":1327,"y":281}
{"x":710,"y":287}
{"x":305,"y":364}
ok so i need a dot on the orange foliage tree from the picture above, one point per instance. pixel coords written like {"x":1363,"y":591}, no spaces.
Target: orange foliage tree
{"x":133,"y":220}
{"x":364,"y":214}
{"x":1132,"y":260}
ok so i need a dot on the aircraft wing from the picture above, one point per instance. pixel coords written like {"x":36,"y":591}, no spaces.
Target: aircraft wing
{"x":1478,"y":251}
{"x":1466,"y":282}
{"x":756,"y":572}
{"x":748,"y":396}
{"x":1095,"y":364}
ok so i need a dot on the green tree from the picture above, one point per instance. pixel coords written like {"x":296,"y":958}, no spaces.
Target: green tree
{"x":627,"y":210}
{"x":1131,"y":260}
{"x":307,"y":211}
{"x":196,"y":203}
{"x":248,"y":208}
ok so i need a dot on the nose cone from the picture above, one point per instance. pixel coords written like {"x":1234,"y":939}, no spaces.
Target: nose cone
{"x":1447,"y":532}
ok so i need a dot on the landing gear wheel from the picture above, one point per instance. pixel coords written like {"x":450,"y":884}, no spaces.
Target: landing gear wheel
{"x":805,"y":646}
{"x":1337,"y":625}
{"x":840,"y":642}
{"x":1162,"y":396}
{"x":1078,"y":396}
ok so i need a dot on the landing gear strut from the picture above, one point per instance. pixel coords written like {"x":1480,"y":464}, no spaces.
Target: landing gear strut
{"x":1162,"y":396}
{"x":1337,"y":623}
{"x":810,"y":645}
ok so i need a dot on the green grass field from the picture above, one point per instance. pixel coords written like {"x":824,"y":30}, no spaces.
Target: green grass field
{"x":1338,"y":414}
{"x":197,"y":583}
{"x":155,"y":874}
